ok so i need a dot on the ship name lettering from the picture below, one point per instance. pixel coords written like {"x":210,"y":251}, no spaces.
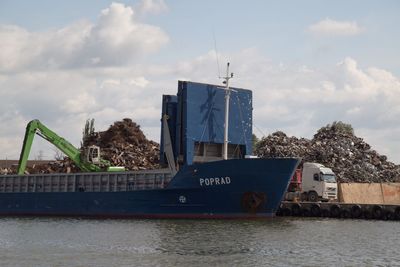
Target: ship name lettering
{"x":215,"y":181}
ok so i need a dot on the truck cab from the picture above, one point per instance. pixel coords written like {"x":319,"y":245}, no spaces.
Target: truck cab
{"x":318,"y":182}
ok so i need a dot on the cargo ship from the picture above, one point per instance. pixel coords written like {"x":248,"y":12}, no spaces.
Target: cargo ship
{"x":206,"y":172}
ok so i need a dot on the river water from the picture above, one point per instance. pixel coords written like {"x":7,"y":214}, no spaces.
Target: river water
{"x":273,"y":242}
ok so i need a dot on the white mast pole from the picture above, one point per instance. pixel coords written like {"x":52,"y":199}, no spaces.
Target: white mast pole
{"x":227,"y":98}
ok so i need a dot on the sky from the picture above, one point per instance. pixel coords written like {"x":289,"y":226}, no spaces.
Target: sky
{"x":308,"y":63}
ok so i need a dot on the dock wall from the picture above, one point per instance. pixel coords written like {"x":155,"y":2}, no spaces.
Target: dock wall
{"x":369,"y":193}
{"x":379,"y":201}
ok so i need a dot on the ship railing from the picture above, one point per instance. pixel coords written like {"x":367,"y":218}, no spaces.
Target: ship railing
{"x":86,"y":182}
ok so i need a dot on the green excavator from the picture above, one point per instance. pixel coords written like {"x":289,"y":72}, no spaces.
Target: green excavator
{"x":88,"y":161}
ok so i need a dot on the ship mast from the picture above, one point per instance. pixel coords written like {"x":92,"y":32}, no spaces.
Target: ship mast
{"x":227,"y":97}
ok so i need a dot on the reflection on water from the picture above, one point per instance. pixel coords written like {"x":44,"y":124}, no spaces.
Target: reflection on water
{"x":275,"y":242}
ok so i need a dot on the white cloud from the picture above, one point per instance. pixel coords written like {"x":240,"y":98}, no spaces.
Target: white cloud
{"x":82,"y":70}
{"x":139,"y":81}
{"x":87,"y":70}
{"x":300,"y":102}
{"x":355,"y":110}
{"x":290,"y":99}
{"x":116,"y":38}
{"x":82,"y":102}
{"x":335,"y":28}
{"x":152,"y":6}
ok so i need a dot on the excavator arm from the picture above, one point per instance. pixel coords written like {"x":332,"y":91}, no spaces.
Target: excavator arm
{"x":36,"y":127}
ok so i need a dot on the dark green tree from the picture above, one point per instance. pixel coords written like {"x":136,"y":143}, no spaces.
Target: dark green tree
{"x":255,"y":141}
{"x":88,"y":130}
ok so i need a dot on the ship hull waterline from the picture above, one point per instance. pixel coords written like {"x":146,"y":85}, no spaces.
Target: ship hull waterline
{"x":230,"y":189}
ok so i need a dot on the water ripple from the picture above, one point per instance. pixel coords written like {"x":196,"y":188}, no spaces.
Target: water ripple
{"x":276,"y":242}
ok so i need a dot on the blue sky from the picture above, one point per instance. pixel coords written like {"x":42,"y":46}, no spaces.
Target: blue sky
{"x":309,"y":63}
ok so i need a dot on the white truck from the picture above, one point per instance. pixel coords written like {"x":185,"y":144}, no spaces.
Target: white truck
{"x":313,"y":182}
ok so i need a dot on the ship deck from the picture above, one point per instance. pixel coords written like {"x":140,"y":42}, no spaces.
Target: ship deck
{"x":86,"y":182}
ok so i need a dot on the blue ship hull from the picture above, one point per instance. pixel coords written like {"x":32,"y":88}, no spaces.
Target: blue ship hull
{"x":237,"y":188}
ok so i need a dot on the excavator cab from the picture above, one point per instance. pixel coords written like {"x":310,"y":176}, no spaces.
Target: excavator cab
{"x":93,"y":154}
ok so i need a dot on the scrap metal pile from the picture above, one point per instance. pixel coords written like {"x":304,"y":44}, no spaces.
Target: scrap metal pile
{"x":336,"y":147}
{"x":123,"y":144}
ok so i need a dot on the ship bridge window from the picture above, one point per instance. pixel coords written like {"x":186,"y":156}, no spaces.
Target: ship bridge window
{"x":205,"y":152}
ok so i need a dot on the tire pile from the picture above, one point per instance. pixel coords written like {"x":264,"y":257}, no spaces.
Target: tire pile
{"x":336,"y":147}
